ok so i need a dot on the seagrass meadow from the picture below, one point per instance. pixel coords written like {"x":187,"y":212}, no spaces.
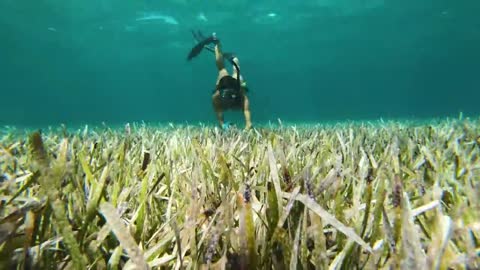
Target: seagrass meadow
{"x":387,"y":195}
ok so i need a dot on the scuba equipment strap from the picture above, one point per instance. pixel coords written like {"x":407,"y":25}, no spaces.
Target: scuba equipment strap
{"x":238,"y":73}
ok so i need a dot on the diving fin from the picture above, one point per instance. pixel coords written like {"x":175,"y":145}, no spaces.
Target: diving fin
{"x":203,"y":43}
{"x":198,"y":35}
{"x":197,"y":49}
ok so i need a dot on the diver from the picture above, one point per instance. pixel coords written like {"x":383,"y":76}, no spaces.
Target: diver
{"x":231,"y":90}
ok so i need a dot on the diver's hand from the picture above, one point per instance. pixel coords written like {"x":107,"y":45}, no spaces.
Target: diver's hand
{"x":227,"y":125}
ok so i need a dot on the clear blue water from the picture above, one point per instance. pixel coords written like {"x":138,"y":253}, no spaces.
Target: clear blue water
{"x":86,"y":62}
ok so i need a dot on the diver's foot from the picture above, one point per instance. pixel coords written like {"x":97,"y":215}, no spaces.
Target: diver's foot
{"x":215,"y":39}
{"x":235,"y":59}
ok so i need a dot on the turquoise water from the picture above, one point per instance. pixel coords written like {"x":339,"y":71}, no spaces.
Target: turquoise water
{"x":87,"y":62}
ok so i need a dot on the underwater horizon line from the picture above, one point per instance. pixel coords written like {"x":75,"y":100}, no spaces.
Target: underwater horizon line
{"x":380,"y":121}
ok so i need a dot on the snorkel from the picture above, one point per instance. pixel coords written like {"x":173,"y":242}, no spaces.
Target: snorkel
{"x":239,"y":84}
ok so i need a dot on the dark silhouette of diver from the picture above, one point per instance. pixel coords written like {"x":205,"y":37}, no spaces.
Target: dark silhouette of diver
{"x":231,"y":90}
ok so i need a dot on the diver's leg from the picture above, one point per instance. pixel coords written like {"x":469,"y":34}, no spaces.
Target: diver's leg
{"x":219,"y":57}
{"x":246,"y":112}
{"x":222,"y":71}
{"x":217,"y":107}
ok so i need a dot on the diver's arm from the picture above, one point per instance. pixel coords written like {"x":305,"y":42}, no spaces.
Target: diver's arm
{"x":220,"y":118}
{"x":217,"y":107}
{"x":246,"y":112}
